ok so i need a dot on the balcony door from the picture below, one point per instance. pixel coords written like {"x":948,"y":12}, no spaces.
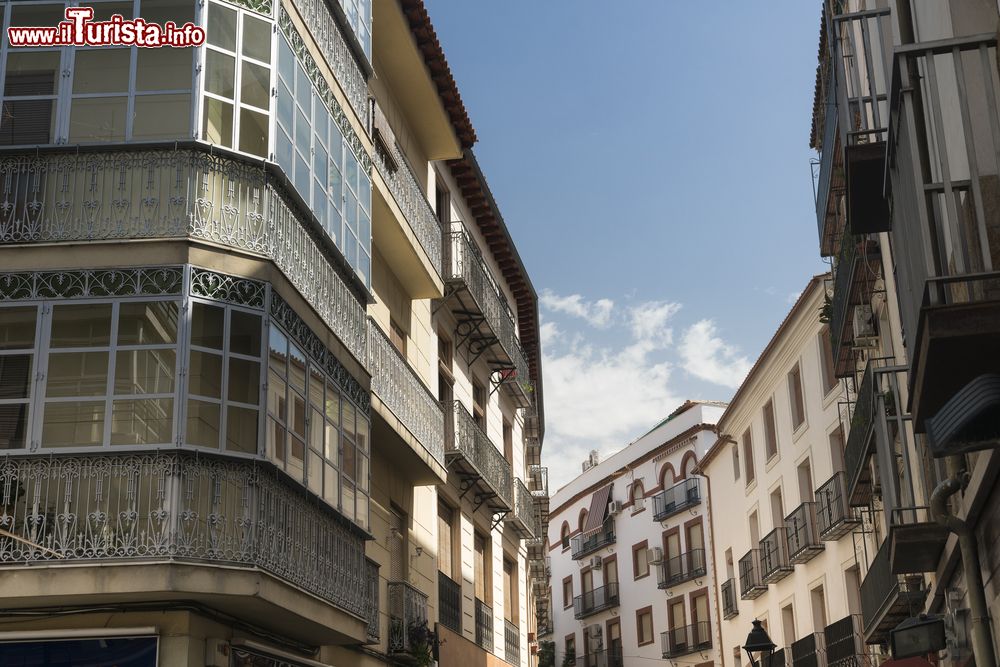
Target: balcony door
{"x":672,"y":552}
{"x":482,"y":568}
{"x":699,"y":618}
{"x":614,"y":643}
{"x":397,"y":545}
{"x":696,"y":546}
{"x":587,"y":589}
{"x":677,"y":616}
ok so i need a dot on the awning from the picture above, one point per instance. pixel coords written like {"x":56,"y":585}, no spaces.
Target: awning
{"x":598,"y":509}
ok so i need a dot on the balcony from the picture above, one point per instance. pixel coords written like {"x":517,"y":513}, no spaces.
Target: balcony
{"x":844,"y":647}
{"x":828,"y":174}
{"x":476,"y":461}
{"x":536,"y":549}
{"x":214,"y":513}
{"x":780,"y":657}
{"x":595,"y":601}
{"x":943,"y":216}
{"x":412,"y":248}
{"x":584,"y":545}
{"x":804,"y":543}
{"x":407,"y":611}
{"x":485,"y":319}
{"x":774,"y":563}
{"x":404,"y":394}
{"x":538,"y":486}
{"x":511,"y":643}
{"x":834,"y":518}
{"x":751,"y":585}
{"x":860,"y":443}
{"x":484,"y":625}
{"x":676,"y":499}
{"x":858,"y":267}
{"x":887,"y":598}
{"x":730,"y":608}
{"x":120,"y":195}
{"x":522,"y":519}
{"x":607,"y":658}
{"x":808,"y":651}
{"x":371,"y":586}
{"x":916,"y":541}
{"x":686,"y":639}
{"x":678,"y":569}
{"x":450,"y":603}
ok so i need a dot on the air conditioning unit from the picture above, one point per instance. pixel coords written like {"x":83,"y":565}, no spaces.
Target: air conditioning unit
{"x":615,"y":507}
{"x":596,"y":563}
{"x":863,"y":321}
{"x":654,"y":555}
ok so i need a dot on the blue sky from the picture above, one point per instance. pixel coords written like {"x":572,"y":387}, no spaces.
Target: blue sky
{"x":651,"y":160}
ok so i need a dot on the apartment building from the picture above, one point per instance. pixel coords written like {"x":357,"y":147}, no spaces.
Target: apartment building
{"x":905,"y":122}
{"x":786,"y":544}
{"x":631,"y":574}
{"x":271,"y":380}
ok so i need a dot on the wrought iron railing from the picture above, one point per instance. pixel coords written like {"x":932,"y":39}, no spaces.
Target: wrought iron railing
{"x":409,"y":196}
{"x":827,"y":160}
{"x":407,"y":610}
{"x":840,"y":302}
{"x":464,"y":265}
{"x":860,"y":42}
{"x":803,"y":538}
{"x":611,"y":657}
{"x":484,"y":625}
{"x":844,"y":645}
{"x":751,"y":585}
{"x":372,"y":615}
{"x":882,"y":590}
{"x":808,"y":651}
{"x":582,"y":545}
{"x":599,"y":599}
{"x":404,"y":393}
{"x":834,"y":517}
{"x":538,"y":480}
{"x":686,"y":639}
{"x":681,"y":568}
{"x":859,"y":438}
{"x":449,"y":603}
{"x":774,"y":563}
{"x":67,"y":510}
{"x":678,"y":497}
{"x":466,"y":440}
{"x":730,"y":607}
{"x":523,"y":516}
{"x":180,"y":193}
{"x":511,"y":643}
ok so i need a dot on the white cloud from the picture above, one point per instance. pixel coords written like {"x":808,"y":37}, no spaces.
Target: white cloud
{"x":548,"y":333}
{"x":649,"y":321}
{"x":596,"y":313}
{"x":708,"y":357}
{"x":793,"y":297}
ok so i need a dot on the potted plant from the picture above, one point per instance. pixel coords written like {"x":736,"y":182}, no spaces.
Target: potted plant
{"x":422,"y":641}
{"x":546,"y":654}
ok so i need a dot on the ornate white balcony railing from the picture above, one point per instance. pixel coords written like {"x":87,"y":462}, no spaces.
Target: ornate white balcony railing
{"x":168,"y":506}
{"x":180,"y":193}
{"x":409,"y":196}
{"x":467,"y":442}
{"x":399,"y":388}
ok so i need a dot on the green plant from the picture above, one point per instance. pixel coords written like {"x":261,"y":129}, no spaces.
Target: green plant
{"x":826,"y":310}
{"x":569,"y":660}
{"x":422,"y":641}
{"x":546,"y":654}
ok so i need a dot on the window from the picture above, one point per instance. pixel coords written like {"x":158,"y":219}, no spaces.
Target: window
{"x":583,"y":519}
{"x":777,"y":509}
{"x":644,"y":626}
{"x":640,"y":560}
{"x":826,"y":361}
{"x":837,"y":449}
{"x":637,"y":496}
{"x":359,"y":17}
{"x":17,"y":362}
{"x":564,"y":536}
{"x":446,"y":546}
{"x":672,"y":553}
{"x":445,"y":353}
{"x":677,"y":618}
{"x":571,"y":646}
{"x":567,"y":587}
{"x":699,"y":617}
{"x":736,"y":463}
{"x":795,"y":397}
{"x":770,"y":431}
{"x":397,"y":336}
{"x":483,"y":580}
{"x":508,"y":441}
{"x":748,"y":456}
{"x":510,"y":601}
{"x":443,"y":209}
{"x":479,"y":403}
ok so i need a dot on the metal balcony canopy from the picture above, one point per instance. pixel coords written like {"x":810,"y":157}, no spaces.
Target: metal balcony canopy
{"x":598,"y":509}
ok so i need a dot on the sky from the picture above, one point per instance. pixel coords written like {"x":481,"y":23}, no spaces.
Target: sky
{"x":651,"y":159}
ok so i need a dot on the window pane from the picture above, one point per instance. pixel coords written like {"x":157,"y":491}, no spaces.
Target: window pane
{"x":331,"y":486}
{"x":220,"y":74}
{"x":256,"y":38}
{"x":244,"y":381}
{"x":253,"y":132}
{"x":361,"y":513}
{"x":332,"y":444}
{"x":147,"y":323}
{"x":303,"y":88}
{"x":241,"y":429}
{"x":349,"y":463}
{"x":217,"y":124}
{"x":276,"y":401}
{"x":333,"y":404}
{"x":103,"y":11}
{"x":77,"y":374}
{"x":32,"y":73}
{"x":162,"y":117}
{"x":163,"y":69}
{"x":202,"y":424}
{"x":244,"y":333}
{"x":207,"y":324}
{"x":277,"y":351}
{"x":348,"y":423}
{"x":362,"y":436}
{"x":145,"y":371}
{"x":285,"y":106}
{"x":161,"y":11}
{"x":99,"y":119}
{"x":81,"y":326}
{"x":74,"y":424}
{"x":221,"y":26}
{"x":347,"y":500}
{"x":27,"y":122}
{"x":37,"y":15}
{"x":17,"y":328}
{"x":101,"y":70}
{"x":286,"y":62}
{"x":296,"y":458}
{"x":297,"y":423}
{"x":283,"y":150}
{"x":15,"y":374}
{"x":297,"y":369}
{"x":142,"y":422}
{"x":276,"y":437}
{"x":314,"y":473}
{"x":205,"y":374}
{"x":13,"y":425}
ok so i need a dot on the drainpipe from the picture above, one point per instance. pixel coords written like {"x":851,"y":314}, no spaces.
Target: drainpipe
{"x":982,"y":640}
{"x":715,"y":576}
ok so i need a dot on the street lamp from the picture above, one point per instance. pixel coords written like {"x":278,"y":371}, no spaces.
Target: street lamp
{"x":758,"y":642}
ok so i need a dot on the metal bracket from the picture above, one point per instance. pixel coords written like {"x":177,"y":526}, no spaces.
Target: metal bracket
{"x":498,"y":518}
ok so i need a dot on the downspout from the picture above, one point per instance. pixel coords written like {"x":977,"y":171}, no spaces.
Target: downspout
{"x":982,"y":640}
{"x":715,"y":577}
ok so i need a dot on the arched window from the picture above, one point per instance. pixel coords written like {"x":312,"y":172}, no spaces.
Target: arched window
{"x":583,"y":519}
{"x":637,"y":495}
{"x":564,"y":535}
